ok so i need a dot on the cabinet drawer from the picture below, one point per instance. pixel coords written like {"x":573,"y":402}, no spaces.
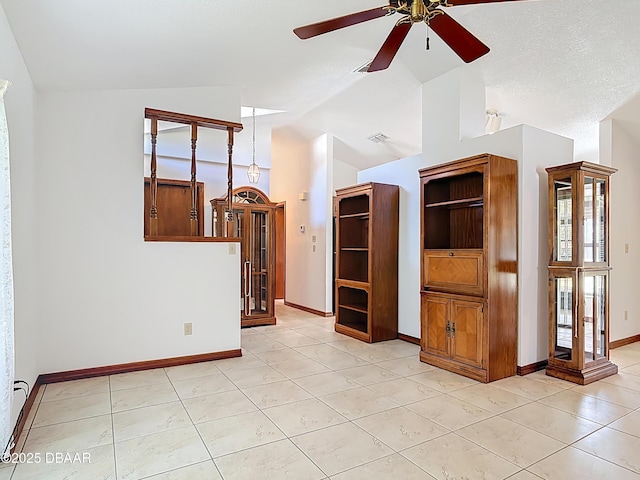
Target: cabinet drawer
{"x":458,"y":271}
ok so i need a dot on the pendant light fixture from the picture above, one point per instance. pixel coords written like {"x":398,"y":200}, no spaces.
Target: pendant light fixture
{"x":254,"y":172}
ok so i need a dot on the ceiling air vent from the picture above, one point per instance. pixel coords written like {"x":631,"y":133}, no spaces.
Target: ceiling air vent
{"x":378,"y":138}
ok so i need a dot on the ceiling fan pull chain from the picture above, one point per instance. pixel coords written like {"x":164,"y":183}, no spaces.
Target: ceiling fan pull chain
{"x":428,"y":37}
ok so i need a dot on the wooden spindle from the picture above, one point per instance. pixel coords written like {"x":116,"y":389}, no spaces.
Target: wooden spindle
{"x":194,"y":193}
{"x":153,"y":214}
{"x":230,"y":181}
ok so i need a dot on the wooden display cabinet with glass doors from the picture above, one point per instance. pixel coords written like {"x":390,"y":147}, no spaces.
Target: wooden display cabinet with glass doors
{"x":579,"y":272}
{"x":253,"y":221}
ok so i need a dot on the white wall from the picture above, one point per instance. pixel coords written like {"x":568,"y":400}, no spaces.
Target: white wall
{"x":344,"y":175}
{"x":108,"y":296}
{"x":297,"y":168}
{"x":404,"y":173}
{"x":19,"y":105}
{"x":453,"y":111}
{"x":625,"y":230}
{"x":540,"y":149}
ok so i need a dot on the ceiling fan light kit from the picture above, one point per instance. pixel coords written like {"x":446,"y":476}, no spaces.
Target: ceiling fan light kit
{"x":458,"y":38}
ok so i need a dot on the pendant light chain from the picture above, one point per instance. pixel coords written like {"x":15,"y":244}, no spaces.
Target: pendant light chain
{"x":254,"y":172}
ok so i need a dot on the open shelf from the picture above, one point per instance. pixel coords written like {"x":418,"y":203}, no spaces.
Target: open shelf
{"x":362,"y":216}
{"x":356,"y":205}
{"x":454,"y":211}
{"x":354,"y":232}
{"x":459,"y":187}
{"x":354,"y":265}
{"x":454,"y":228}
{"x":353,"y":319}
{"x":462,"y":203}
{"x":353,"y":299}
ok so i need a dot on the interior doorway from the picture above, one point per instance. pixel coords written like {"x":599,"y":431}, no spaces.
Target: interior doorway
{"x":280,"y":250}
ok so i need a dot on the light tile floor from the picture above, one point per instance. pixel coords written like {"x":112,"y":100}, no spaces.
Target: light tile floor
{"x":305,"y":403}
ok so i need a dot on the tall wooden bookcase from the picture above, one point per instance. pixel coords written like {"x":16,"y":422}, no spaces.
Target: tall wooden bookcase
{"x":367,"y":262}
{"x":469,"y":279}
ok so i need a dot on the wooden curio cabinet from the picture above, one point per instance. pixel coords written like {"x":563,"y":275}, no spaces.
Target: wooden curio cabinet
{"x":469,"y":271}
{"x":253,"y":220}
{"x":579,"y":272}
{"x":367,"y":261}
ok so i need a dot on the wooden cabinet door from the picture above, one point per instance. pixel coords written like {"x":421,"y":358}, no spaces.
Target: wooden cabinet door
{"x":457,"y":271}
{"x":466,"y":335}
{"x":435,"y":315}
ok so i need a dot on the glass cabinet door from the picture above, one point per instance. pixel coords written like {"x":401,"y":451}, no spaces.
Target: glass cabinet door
{"x":587,"y":225}
{"x":564,"y":312}
{"x":594,"y":294}
{"x":563,"y":214}
{"x":258,"y":243}
{"x":599,"y":219}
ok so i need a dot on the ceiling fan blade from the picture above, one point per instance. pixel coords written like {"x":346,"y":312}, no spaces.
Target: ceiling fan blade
{"x":461,"y":40}
{"x":390,"y":47}
{"x":319,"y":28}
{"x":473,"y":2}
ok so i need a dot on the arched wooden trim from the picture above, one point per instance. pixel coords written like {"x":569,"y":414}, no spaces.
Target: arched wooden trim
{"x":246,"y":189}
{"x":222,"y":226}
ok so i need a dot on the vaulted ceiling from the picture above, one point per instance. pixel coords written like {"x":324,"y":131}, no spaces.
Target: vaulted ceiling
{"x":560,"y":65}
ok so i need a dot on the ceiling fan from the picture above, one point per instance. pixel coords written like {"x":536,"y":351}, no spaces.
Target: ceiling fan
{"x":459,"y":39}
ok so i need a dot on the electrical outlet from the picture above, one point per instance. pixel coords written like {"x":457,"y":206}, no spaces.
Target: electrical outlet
{"x":313,"y":238}
{"x":232,"y":249}
{"x":188,"y":328}
{"x":626,"y":314}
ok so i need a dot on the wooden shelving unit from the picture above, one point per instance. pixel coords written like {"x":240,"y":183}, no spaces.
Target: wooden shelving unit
{"x":367,"y":262}
{"x":469,"y":285}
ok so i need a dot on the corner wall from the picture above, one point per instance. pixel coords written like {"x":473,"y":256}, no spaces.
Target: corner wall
{"x":19,"y":105}
{"x":108,"y":297}
{"x":625,"y":231}
{"x":296,"y":168}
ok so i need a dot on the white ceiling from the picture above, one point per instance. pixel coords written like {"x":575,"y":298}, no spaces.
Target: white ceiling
{"x":560,"y":65}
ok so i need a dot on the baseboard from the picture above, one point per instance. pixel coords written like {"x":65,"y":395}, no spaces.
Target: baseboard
{"x":409,"y":338}
{"x":533,"y":367}
{"x":624,"y":341}
{"x":308,"y":310}
{"x":17,"y":431}
{"x":135,"y":366}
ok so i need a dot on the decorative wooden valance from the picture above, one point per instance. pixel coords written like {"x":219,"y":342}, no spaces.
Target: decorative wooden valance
{"x":195,"y":122}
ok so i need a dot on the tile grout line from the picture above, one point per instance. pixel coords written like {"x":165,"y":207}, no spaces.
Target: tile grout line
{"x":113,"y":431}
{"x":195,"y":426}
